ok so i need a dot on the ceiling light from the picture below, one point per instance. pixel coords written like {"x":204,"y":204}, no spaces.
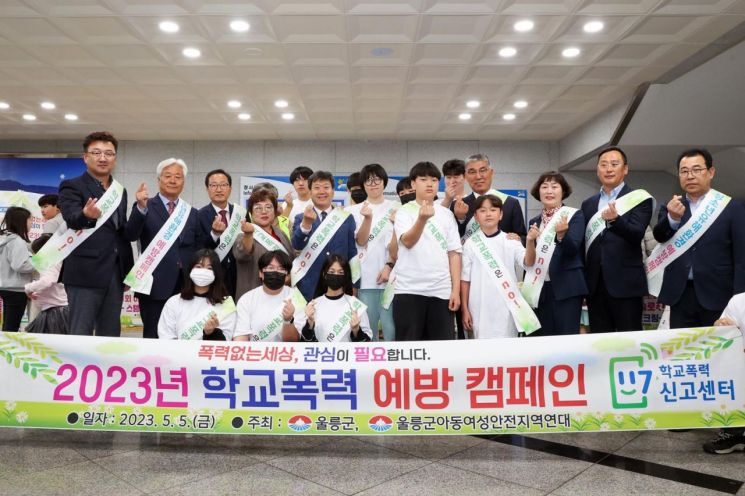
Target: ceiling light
{"x":239,"y":26}
{"x":570,"y":52}
{"x":281,"y":104}
{"x":288,"y":116}
{"x":381,"y":51}
{"x":191,"y":52}
{"x":168,"y":27}
{"x":593,"y":27}
{"x":473,"y":104}
{"x":464,"y":116}
{"x":508,"y":117}
{"x":48,"y":105}
{"x":71,"y":117}
{"x":234,"y":104}
{"x":507,"y":52}
{"x":524,"y":26}
{"x":244,"y":116}
{"x":29,"y":117}
{"x":4,"y":106}
{"x":520,"y":104}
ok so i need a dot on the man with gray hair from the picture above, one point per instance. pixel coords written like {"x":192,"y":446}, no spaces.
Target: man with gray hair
{"x":479,"y":175}
{"x":157,"y":274}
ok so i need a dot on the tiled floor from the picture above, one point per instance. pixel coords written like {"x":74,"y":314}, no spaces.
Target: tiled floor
{"x":80,"y":463}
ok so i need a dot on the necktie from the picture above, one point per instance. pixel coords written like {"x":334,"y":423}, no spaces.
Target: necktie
{"x":323,"y":216}
{"x":224,"y":217}
{"x":171,"y":207}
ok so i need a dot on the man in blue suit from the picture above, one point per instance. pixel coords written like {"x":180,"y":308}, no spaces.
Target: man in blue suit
{"x":615,"y":272}
{"x":147,"y":217}
{"x":699,"y":283}
{"x":321,"y":184}
{"x":214,"y":219}
{"x":94,"y":271}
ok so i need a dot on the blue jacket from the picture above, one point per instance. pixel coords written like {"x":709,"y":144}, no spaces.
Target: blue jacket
{"x":566,"y":269}
{"x":206,"y":215}
{"x":718,"y":259}
{"x":618,"y":250}
{"x":341,"y":243}
{"x":143,"y":228}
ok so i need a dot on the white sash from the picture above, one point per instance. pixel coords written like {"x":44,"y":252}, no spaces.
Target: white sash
{"x":523,"y":316}
{"x":220,"y":311}
{"x":686,"y":236}
{"x":274,"y":326}
{"x":342,"y":327}
{"x":61,"y":244}
{"x":390,"y":291}
{"x":430,"y":228}
{"x":535,"y":276}
{"x":140,"y":278}
{"x":266,"y":240}
{"x":473,"y":226}
{"x":231,"y":232}
{"x":625,"y":203}
{"x":356,"y":263}
{"x":317,"y":242}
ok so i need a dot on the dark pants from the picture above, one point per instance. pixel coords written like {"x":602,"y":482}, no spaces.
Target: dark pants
{"x":688,"y":312}
{"x":557,"y":317}
{"x":14,"y":306}
{"x":150,"y":310}
{"x":609,"y":314}
{"x":98,"y":308}
{"x":422,"y":318}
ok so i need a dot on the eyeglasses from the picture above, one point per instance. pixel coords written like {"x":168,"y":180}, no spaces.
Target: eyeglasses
{"x":274,"y":269}
{"x":695,"y":172}
{"x":97,"y":154}
{"x":372,"y":181}
{"x":259,"y":209}
{"x":219,"y":186}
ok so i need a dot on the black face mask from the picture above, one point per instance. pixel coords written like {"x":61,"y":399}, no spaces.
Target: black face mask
{"x":334,"y":281}
{"x":274,"y":280}
{"x":358,"y":195}
{"x":407,"y":198}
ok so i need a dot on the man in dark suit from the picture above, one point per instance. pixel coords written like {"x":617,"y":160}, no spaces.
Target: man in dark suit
{"x":147,"y":217}
{"x":699,"y":283}
{"x":615,"y":272}
{"x":214,"y":219}
{"x":479,"y":175}
{"x":321,"y":185}
{"x":94,"y":271}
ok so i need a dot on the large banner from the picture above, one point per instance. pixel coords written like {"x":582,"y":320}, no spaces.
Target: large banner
{"x":685,"y":378}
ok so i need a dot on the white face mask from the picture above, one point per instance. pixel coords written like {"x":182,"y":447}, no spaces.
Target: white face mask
{"x":202,"y":277}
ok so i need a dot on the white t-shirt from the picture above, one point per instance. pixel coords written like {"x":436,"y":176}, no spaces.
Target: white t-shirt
{"x":376,"y":253}
{"x":424,"y":269}
{"x":736,"y":310}
{"x":329,"y":312}
{"x":491,"y":317}
{"x":179,"y":314}
{"x":257,"y":308}
{"x":298,"y":206}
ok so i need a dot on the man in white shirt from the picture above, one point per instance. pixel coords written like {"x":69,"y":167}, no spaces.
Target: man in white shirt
{"x":294,"y":206}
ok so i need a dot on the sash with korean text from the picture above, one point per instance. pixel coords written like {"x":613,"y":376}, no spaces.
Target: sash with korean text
{"x":377,"y":229}
{"x":342,"y":327}
{"x":266,"y":240}
{"x":317,"y":242}
{"x":194,"y":331}
{"x":231,"y":232}
{"x":473,"y":226}
{"x":624,"y":204}
{"x":430,"y":229}
{"x":274,"y":326}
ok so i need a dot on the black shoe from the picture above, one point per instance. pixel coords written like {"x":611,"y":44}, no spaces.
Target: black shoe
{"x":725,"y":442}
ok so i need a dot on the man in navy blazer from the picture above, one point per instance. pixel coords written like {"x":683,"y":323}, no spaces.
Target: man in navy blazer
{"x":699,"y":283}
{"x":94,"y":271}
{"x":214,"y":219}
{"x":616,"y":279}
{"x":147,"y":217}
{"x":321,"y":184}
{"x":479,"y":175}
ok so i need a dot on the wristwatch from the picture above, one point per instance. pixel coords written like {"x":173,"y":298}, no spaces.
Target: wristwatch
{"x":390,"y":264}
{"x":292,"y":320}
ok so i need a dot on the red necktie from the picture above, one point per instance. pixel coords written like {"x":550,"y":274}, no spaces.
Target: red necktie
{"x":223,"y":217}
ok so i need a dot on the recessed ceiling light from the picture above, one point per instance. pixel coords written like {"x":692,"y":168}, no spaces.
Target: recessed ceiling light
{"x":464,"y":116}
{"x":508,"y":117}
{"x":520,"y":104}
{"x":570,"y":52}
{"x":507,"y":52}
{"x":288,"y":116}
{"x":244,"y":116}
{"x":524,"y":26}
{"x":71,"y":117}
{"x":381,"y":51}
{"x":29,"y":117}
{"x":168,"y":27}
{"x":593,"y":27}
{"x":4,"y":105}
{"x":191,"y":52}
{"x":473,"y":104}
{"x":234,"y":104}
{"x":239,"y":26}
{"x":48,"y":105}
{"x":281,"y":104}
